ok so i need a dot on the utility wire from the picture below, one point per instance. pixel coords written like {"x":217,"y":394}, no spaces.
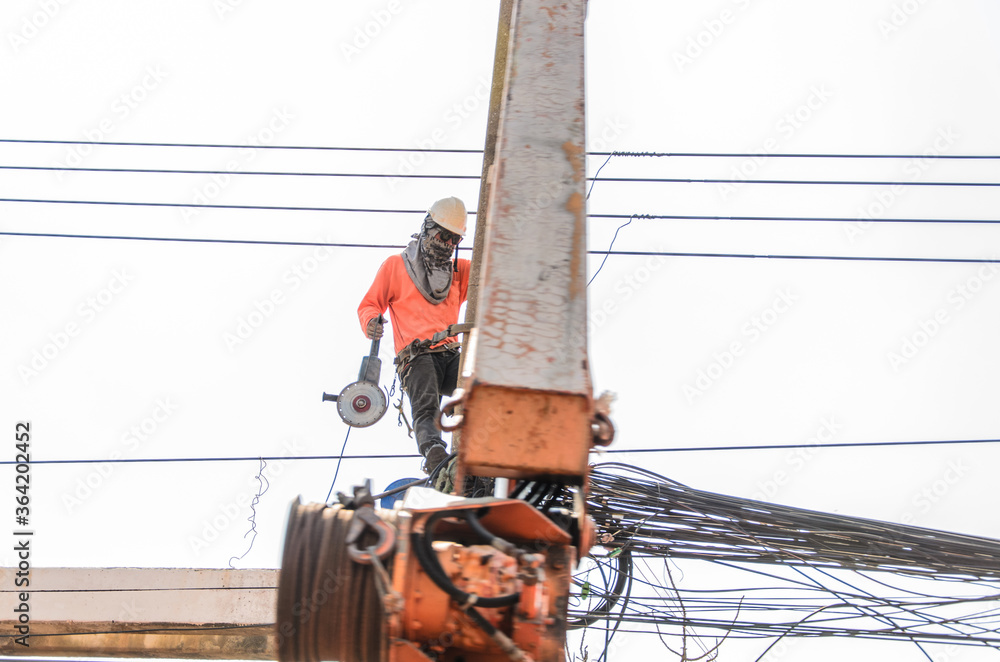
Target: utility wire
{"x":812,"y":182}
{"x":216,"y":206}
{"x":339,"y":460}
{"x":194,"y":628}
{"x":647,"y":180}
{"x":142,"y":460}
{"x":479,"y":151}
{"x":799,"y":155}
{"x":255,"y":458}
{"x":682,"y":217}
{"x":762,"y":447}
{"x":243,"y":146}
{"x":852,"y":258}
{"x":277,"y":173}
{"x":807,"y":219}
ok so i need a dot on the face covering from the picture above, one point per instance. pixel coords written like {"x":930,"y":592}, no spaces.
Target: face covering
{"x":428,"y":262}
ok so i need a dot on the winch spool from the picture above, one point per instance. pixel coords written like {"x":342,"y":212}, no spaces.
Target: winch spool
{"x":328,"y":605}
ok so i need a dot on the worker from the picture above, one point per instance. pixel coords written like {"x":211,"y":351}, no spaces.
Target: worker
{"x":423,"y":289}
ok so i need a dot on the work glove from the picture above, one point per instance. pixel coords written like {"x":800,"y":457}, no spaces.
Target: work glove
{"x":374,"y":329}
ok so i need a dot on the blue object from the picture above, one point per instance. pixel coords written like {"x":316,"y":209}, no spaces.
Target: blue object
{"x":391,"y":499}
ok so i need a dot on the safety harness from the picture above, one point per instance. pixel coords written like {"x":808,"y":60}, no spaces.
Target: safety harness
{"x":430,"y":345}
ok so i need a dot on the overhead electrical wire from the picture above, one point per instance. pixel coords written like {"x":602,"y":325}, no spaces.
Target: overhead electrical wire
{"x":242,"y":146}
{"x":596,"y":178}
{"x":275,"y":458}
{"x":800,"y":155}
{"x":851,"y":258}
{"x":258,"y":173}
{"x":806,"y":219}
{"x":827,"y":575}
{"x":128,"y":203}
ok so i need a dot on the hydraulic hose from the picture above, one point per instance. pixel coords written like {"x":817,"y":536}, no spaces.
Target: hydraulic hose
{"x":422,"y":547}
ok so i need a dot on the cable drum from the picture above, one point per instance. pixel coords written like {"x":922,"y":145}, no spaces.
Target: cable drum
{"x":328,"y":605}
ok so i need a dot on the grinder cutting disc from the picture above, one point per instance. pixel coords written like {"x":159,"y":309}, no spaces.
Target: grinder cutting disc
{"x":361,"y":404}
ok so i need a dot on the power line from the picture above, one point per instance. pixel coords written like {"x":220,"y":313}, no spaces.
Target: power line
{"x":161,"y":171}
{"x":214,"y":206}
{"x":196,"y":240}
{"x":797,"y":155}
{"x":946,"y":260}
{"x":848,"y":258}
{"x":758,"y":447}
{"x":364,"y":210}
{"x":257,"y":458}
{"x":193,"y":628}
{"x":656,"y":180}
{"x":243,"y":146}
{"x":145,"y":589}
{"x":811,"y":182}
{"x":805,"y":219}
{"x":479,"y":151}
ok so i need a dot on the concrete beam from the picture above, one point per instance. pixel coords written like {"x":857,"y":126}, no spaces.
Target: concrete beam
{"x":140,"y":612}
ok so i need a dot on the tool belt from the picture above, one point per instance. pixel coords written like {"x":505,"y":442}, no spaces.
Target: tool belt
{"x":418,"y":347}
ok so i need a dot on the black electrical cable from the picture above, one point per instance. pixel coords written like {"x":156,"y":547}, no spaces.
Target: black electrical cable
{"x":190,"y":205}
{"x":479,"y":151}
{"x":339,"y":460}
{"x":808,"y":182}
{"x":860,"y":444}
{"x":401,"y":488}
{"x":256,"y":173}
{"x":799,"y":155}
{"x":422,"y":547}
{"x":624,"y":571}
{"x":795,"y":219}
{"x":244,"y":146}
{"x":848,"y":258}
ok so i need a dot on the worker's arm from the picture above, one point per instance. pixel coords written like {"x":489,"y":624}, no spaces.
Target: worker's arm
{"x":375,"y":301}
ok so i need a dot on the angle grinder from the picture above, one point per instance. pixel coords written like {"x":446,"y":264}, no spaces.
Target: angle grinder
{"x":363,"y":403}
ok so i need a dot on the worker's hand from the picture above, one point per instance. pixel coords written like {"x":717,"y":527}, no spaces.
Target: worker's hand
{"x":374,"y":329}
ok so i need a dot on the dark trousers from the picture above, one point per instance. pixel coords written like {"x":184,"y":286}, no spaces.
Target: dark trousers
{"x":426,"y":378}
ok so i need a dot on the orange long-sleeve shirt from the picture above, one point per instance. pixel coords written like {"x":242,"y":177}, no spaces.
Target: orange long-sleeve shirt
{"x":413,"y":317}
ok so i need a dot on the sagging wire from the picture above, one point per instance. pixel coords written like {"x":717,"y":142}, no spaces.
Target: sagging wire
{"x":592,"y":183}
{"x":339,"y":460}
{"x":263,"y":486}
{"x":609,"y":250}
{"x":657,"y":518}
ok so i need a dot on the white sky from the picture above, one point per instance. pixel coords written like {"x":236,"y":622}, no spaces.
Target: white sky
{"x":143,"y":325}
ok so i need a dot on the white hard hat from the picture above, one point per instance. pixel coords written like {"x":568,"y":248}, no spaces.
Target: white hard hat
{"x":450,"y":214}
